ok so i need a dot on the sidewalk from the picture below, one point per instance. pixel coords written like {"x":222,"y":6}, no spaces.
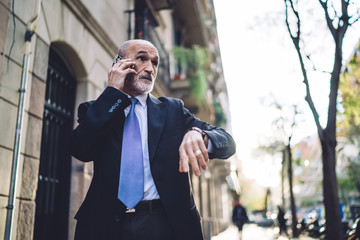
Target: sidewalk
{"x":253,"y":232}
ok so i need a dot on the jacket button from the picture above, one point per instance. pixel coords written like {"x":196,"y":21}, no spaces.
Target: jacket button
{"x":110,"y":110}
{"x":119,"y":100}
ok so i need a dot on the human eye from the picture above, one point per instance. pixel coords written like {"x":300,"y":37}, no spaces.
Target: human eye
{"x":155,"y":63}
{"x":141,"y":58}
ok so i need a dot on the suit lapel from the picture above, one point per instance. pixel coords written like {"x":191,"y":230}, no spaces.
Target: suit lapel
{"x":156,"y":119}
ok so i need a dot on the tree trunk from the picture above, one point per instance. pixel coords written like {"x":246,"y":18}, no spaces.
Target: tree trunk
{"x":283,"y":178}
{"x":292,"y":198}
{"x":331,"y":200}
{"x":334,"y":229}
{"x":328,"y":135}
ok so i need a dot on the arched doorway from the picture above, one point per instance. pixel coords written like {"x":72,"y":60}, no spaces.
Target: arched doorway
{"x":53,"y":193}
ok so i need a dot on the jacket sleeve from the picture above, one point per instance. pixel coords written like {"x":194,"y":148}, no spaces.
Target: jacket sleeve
{"x":95,"y":120}
{"x":223,"y":144}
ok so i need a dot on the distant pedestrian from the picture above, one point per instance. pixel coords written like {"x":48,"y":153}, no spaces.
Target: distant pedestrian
{"x":239,"y":216}
{"x":281,"y":220}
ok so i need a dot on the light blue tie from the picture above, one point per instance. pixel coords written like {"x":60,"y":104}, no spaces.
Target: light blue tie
{"x":131,"y":182}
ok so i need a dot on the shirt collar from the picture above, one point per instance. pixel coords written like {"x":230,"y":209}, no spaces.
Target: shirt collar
{"x":142,"y":99}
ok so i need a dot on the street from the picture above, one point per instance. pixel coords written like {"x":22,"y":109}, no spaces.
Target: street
{"x":253,"y":232}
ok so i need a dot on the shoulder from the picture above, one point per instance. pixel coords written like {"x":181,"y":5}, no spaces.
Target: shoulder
{"x":170,"y":100}
{"x":167,"y":100}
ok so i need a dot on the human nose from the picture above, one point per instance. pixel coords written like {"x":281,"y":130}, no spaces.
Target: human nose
{"x":149,"y":67}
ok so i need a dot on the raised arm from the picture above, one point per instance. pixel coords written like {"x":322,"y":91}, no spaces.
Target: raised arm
{"x":96,"y":120}
{"x":195,"y":145}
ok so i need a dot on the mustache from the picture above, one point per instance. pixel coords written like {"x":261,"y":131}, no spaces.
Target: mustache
{"x":146,"y":76}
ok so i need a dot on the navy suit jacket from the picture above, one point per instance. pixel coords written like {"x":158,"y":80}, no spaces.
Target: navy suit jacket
{"x":98,"y":138}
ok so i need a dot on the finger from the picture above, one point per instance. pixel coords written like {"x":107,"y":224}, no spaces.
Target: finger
{"x":129,"y":71}
{"x":124,"y":63}
{"x":201,"y":145}
{"x":117,"y":64}
{"x":184,"y":163}
{"x":193,"y":161}
{"x":201,"y":160}
{"x":128,"y":64}
{"x":204,"y":151}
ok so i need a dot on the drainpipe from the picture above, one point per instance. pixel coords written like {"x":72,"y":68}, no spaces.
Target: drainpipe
{"x":14,"y":168}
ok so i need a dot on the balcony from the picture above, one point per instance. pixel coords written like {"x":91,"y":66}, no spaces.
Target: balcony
{"x":191,"y":14}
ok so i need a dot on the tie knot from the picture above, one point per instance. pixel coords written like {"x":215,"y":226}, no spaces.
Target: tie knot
{"x":134,"y":101}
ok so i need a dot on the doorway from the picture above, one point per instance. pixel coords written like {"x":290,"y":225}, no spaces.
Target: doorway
{"x":53,"y":192}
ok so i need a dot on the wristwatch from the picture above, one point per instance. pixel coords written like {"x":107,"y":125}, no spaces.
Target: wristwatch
{"x":203,"y":134}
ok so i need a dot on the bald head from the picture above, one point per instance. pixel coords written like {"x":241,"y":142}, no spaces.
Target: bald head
{"x":123,"y":49}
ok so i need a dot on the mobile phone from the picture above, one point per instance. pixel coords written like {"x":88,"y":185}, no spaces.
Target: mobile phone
{"x":118,"y":58}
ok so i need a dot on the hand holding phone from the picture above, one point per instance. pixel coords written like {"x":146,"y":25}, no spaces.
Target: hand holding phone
{"x":118,"y":58}
{"x":121,"y":73}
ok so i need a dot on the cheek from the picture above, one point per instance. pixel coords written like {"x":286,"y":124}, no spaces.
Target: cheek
{"x":137,"y":67}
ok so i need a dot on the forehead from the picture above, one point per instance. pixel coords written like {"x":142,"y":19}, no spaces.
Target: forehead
{"x":139,"y":47}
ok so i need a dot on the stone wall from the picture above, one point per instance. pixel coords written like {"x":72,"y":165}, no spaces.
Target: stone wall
{"x":4,"y":16}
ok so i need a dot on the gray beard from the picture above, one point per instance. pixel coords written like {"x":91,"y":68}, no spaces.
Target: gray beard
{"x":142,"y":86}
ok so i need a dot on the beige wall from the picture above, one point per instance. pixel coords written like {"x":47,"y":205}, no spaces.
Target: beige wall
{"x":4,"y":16}
{"x":110,"y":14}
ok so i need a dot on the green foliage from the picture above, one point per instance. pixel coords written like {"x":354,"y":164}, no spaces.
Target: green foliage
{"x":347,"y":184}
{"x":220,"y":118}
{"x":349,"y":124}
{"x":196,"y":61}
{"x":309,"y":202}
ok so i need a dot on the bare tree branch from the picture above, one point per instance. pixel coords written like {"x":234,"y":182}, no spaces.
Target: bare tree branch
{"x":308,"y":56}
{"x":327,"y":135}
{"x":356,"y":19}
{"x":334,"y":80}
{"x":329,"y":21}
{"x":344,"y":8}
{"x":296,"y":37}
{"x":334,"y":9}
{"x":296,"y":40}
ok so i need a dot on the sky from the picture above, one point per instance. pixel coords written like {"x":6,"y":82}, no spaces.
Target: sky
{"x":260,"y":64}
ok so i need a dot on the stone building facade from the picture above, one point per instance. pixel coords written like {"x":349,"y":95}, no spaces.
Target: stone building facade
{"x":70,"y":52}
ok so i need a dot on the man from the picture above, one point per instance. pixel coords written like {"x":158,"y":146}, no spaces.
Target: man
{"x":172,"y":140}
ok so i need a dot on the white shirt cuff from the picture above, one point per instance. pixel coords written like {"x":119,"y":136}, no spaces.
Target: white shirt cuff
{"x":210,"y":147}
